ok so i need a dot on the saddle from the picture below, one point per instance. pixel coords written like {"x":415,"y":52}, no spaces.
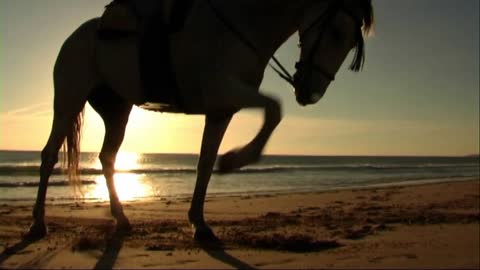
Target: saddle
{"x":120,"y":20}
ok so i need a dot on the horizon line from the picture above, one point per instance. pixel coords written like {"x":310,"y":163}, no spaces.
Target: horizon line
{"x":291,"y":155}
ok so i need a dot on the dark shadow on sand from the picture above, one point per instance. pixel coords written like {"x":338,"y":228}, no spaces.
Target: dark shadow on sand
{"x":110,"y":255}
{"x":219,"y":253}
{"x":18,"y":247}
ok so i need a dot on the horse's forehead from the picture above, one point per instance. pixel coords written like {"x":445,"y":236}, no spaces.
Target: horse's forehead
{"x":318,"y":8}
{"x":354,"y":7}
{"x":314,"y":11}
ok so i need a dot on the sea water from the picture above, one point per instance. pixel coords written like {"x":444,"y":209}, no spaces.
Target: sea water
{"x":159,"y":176}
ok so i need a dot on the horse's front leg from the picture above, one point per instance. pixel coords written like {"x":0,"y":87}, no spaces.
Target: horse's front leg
{"x":214,"y":130}
{"x":115,"y":117}
{"x":243,"y":97}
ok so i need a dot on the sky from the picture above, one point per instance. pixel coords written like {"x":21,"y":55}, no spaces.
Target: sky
{"x":418,"y":93}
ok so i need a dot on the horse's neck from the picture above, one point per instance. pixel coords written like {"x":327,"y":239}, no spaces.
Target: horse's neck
{"x":266,"y":23}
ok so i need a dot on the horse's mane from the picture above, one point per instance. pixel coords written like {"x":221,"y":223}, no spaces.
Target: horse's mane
{"x":368,"y":19}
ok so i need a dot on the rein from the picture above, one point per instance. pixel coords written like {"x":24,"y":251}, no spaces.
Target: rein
{"x":280,"y":69}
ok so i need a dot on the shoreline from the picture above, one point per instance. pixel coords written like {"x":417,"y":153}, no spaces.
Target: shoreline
{"x":67,"y":201}
{"x":434,"y":225}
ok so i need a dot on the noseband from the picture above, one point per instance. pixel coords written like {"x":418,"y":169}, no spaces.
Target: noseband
{"x":309,"y":64}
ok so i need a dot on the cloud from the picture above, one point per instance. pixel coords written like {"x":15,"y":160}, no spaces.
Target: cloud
{"x":41,"y":109}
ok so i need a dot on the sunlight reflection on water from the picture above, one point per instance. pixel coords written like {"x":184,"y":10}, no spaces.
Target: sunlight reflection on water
{"x":129,"y":187}
{"x":124,"y":161}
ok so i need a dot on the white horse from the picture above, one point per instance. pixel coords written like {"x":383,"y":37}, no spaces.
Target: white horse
{"x":219,"y":59}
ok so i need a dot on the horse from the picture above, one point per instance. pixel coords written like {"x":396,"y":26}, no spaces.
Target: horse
{"x":219,"y":59}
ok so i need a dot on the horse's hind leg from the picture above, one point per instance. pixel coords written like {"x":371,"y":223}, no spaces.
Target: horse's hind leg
{"x":114,"y":112}
{"x":62,"y":124}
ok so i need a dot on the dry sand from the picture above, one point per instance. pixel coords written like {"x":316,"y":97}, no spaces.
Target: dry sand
{"x":424,"y":226}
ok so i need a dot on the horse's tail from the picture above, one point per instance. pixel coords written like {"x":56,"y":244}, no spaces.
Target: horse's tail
{"x":71,"y":150}
{"x":74,"y":79}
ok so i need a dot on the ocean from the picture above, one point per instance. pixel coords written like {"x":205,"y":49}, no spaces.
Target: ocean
{"x":159,"y":176}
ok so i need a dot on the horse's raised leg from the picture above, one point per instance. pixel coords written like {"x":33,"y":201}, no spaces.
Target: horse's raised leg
{"x":212,"y":136}
{"x":250,"y":153}
{"x":61,"y":124}
{"x":242,"y":96}
{"x":114,"y":112}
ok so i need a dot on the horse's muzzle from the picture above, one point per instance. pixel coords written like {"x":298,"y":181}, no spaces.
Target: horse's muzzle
{"x":310,"y":99}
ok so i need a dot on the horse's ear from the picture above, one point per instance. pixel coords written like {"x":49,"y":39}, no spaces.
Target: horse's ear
{"x":369,"y":18}
{"x":363,"y":10}
{"x":355,"y":8}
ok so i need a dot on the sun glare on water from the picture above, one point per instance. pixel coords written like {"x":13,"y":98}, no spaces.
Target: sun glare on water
{"x":127,"y":161}
{"x":129,"y":186}
{"x":124,"y":162}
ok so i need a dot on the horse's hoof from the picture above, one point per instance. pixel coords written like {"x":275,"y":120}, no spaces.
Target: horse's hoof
{"x":123,"y":228}
{"x":206,"y":237}
{"x":237,"y":159}
{"x":37,"y":231}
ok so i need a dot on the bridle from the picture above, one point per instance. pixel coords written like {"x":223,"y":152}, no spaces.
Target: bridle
{"x":309,"y":65}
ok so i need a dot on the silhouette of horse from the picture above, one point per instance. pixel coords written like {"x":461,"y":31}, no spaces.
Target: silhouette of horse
{"x":219,"y":60}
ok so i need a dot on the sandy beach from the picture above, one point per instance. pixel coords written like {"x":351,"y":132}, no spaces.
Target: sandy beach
{"x":423,"y":226}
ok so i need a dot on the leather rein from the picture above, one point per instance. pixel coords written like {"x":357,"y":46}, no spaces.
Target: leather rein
{"x":281,"y":71}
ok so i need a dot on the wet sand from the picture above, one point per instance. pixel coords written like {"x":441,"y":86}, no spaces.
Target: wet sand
{"x":423,"y":226}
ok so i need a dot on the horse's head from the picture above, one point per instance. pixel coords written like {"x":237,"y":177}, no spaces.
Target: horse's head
{"x":328,"y":32}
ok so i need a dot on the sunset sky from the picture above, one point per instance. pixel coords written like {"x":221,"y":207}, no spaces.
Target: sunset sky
{"x":418,"y":93}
